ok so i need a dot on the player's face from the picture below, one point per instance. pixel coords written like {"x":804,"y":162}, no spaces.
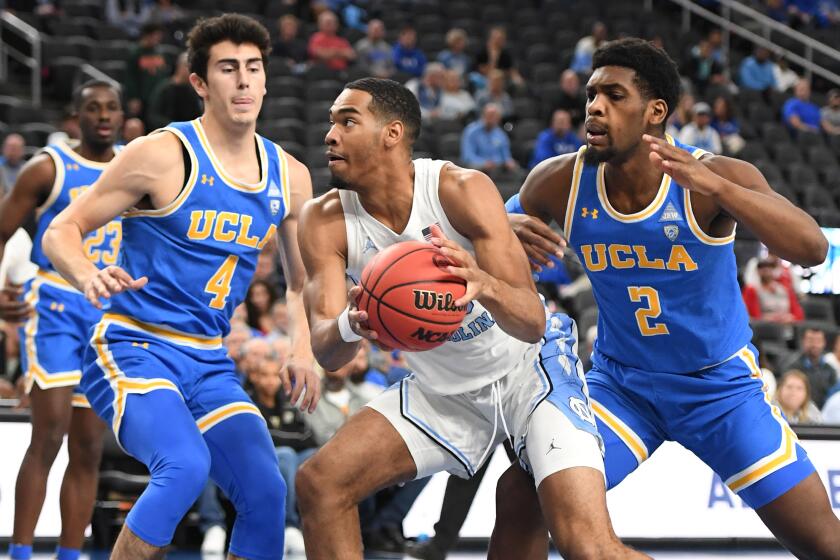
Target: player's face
{"x":355,"y":138}
{"x":235,"y":84}
{"x":100,"y":116}
{"x":617,"y":115}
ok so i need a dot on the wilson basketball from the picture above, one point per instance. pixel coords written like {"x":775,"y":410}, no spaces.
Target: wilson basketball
{"x":410,"y":297}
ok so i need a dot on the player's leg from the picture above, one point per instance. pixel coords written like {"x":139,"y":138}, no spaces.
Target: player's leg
{"x":51,"y":413}
{"x":78,"y":489}
{"x":520,"y":530}
{"x":159,"y":430}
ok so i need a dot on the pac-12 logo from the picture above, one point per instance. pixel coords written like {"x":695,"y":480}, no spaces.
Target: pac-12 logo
{"x":429,"y":300}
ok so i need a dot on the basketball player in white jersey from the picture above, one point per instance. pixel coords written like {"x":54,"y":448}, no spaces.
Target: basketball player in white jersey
{"x":491,"y":380}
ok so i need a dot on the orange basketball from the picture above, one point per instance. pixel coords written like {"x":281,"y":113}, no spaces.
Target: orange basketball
{"x":409,"y":297}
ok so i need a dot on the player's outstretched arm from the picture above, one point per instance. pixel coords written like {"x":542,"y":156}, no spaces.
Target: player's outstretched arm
{"x":30,"y":190}
{"x":299,"y":374}
{"x":150,"y":168}
{"x":499,"y":277}
{"x":323,"y":248}
{"x":742,"y":192}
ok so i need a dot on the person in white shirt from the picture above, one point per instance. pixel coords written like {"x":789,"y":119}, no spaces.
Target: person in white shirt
{"x":699,"y":132}
{"x":455,"y":102}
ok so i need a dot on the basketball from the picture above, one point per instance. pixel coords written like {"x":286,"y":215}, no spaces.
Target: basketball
{"x":410,"y":297}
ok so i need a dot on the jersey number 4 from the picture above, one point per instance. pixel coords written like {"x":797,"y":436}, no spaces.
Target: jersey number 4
{"x":219,"y":284}
{"x":645,"y":314}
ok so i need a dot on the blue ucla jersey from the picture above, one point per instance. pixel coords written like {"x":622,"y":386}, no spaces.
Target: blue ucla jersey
{"x":73,"y":175}
{"x":667,"y":292}
{"x":200,"y":251}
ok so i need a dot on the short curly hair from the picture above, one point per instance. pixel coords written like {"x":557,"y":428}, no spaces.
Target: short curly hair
{"x":656,"y":77}
{"x":392,"y":101}
{"x":235,"y":28}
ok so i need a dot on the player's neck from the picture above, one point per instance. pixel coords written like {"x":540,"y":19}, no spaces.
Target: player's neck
{"x":635,"y":175}
{"x":102,"y":154}
{"x":228,"y":138}
{"x":388,"y":195}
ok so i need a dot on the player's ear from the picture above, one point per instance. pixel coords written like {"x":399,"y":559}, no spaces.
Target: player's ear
{"x":199,"y":85}
{"x":394,"y":132}
{"x":657,"y":111}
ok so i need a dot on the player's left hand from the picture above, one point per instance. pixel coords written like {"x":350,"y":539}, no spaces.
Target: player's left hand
{"x":298,"y":376}
{"x":464,"y":266}
{"x":683,"y":168}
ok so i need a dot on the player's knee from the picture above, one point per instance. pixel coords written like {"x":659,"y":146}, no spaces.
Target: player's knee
{"x":315,"y":488}
{"x":269,"y":497}
{"x":46,"y":443}
{"x":184,"y":472}
{"x":85,"y":452}
{"x":516,"y":500}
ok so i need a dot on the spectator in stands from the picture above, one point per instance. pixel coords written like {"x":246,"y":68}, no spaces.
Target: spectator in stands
{"x":682,"y":115}
{"x":408,"y":58}
{"x":327,"y":47}
{"x":455,"y":101}
{"x":699,"y":132}
{"x":455,"y":56}
{"x":254,"y":352}
{"x":757,"y":71}
{"x":258,"y":301}
{"x":786,"y":79}
{"x":129,"y":15}
{"x":484,"y":145}
{"x":794,"y":398}
{"x":68,"y":129}
{"x":830,"y":114}
{"x":701,"y":67}
{"x":812,"y":13}
{"x":833,"y":359}
{"x":174,"y":100}
{"x":715,"y":40}
{"x":12,"y":160}
{"x":280,"y":318}
{"x":727,"y":125}
{"x":831,"y":410}
{"x":132,"y":128}
{"x":770,"y":300}
{"x":555,"y":140}
{"x":585,"y":47}
{"x":428,"y":90}
{"x":776,"y":9}
{"x":798,"y":112}
{"x":146,"y":68}
{"x":375,"y":55}
{"x":497,"y":56}
{"x":812,"y":361}
{"x":495,"y":93}
{"x":290,"y":46}
{"x":237,"y":337}
{"x":165,"y":12}
{"x":570,"y":98}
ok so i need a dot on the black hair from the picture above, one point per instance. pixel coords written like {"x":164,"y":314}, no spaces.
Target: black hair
{"x":235,"y":28}
{"x":656,"y":77}
{"x":149,"y":28}
{"x":391,"y":101}
{"x":78,"y":93}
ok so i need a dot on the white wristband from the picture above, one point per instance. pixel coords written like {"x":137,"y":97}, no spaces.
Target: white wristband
{"x":344,"y":329}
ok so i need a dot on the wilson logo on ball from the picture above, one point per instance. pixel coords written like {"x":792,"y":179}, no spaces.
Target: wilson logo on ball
{"x":430,"y":300}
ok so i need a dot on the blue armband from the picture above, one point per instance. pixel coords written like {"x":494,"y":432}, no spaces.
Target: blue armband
{"x":512,"y":205}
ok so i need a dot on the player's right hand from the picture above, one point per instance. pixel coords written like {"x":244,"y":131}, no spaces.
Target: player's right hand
{"x":358,"y":318}
{"x":539,"y":241}
{"x":12,"y":308}
{"x":110,"y":281}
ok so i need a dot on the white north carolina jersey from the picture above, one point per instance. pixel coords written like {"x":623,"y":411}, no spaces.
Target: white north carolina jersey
{"x":479,"y":352}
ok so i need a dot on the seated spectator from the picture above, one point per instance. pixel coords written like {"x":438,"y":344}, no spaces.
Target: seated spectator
{"x":237,"y":337}
{"x":68,"y":129}
{"x":794,"y":398}
{"x":327,"y":47}
{"x":757,"y":71}
{"x":428,"y":90}
{"x":12,"y":160}
{"x":495,"y":93}
{"x":585,"y":47}
{"x":701,"y":67}
{"x":165,"y":12}
{"x":812,"y":13}
{"x":455,"y":102}
{"x":811,"y":360}
{"x":146,"y":68}
{"x":129,"y":15}
{"x":571,"y":98}
{"x":258,"y":301}
{"x":786,"y":79}
{"x":699,"y":132}
{"x":132,"y":128}
{"x":831,"y":410}
{"x":798,"y":112}
{"x":830,"y":114}
{"x":375,"y":55}
{"x":715,"y":40}
{"x":280,"y":318}
{"x":455,"y":56}
{"x":408,"y":58}
{"x":255,"y":351}
{"x":727,"y":125}
{"x":484,"y":145}
{"x":682,"y":115}
{"x":770,"y":300}
{"x":289,"y":45}
{"x":555,"y":140}
{"x":776,"y":9}
{"x":174,"y":100}
{"x":497,"y":56}
{"x":833,"y":358}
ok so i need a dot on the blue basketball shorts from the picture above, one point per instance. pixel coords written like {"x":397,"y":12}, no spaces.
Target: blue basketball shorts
{"x":721,"y":414}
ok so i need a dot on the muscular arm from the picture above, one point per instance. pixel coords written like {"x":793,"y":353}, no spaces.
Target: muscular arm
{"x":323,"y":246}
{"x":150,"y":167}
{"x":475,"y":209}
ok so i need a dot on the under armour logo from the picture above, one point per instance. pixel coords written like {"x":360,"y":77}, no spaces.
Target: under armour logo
{"x":207,"y":180}
{"x":584,"y":212}
{"x":552,"y":447}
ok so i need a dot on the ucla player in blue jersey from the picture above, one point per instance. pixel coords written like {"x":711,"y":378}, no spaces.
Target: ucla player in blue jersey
{"x":57,"y":320}
{"x":653,"y":222}
{"x":199,"y":202}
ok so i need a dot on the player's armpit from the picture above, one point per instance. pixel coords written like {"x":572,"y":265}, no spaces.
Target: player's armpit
{"x":545,"y":192}
{"x":31,"y":189}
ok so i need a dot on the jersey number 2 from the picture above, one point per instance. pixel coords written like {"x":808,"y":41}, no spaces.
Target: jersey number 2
{"x":219,"y":283}
{"x":645,"y":314}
